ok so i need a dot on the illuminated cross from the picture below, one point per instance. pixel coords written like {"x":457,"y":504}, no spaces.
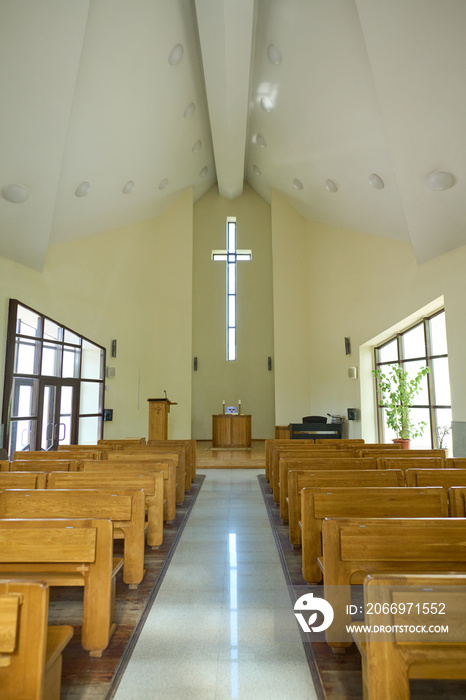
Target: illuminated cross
{"x":231,"y":256}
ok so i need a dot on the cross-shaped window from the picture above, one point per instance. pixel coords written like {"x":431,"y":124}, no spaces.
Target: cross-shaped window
{"x":231,"y":256}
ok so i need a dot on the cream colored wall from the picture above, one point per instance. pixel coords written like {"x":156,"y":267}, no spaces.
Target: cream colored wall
{"x":357,"y":285}
{"x":247,"y":378}
{"x":133,"y":284}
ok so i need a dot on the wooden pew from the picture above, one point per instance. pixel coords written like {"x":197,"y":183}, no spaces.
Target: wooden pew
{"x":44,"y":465}
{"x":386,"y":451}
{"x":30,"y":650}
{"x":390,"y":545}
{"x":457,"y":500}
{"x":168,"y":470}
{"x":402,"y":463}
{"x":151,"y":484}
{"x":191,"y":451}
{"x":299,"y":479}
{"x":182,"y":450}
{"x":361,"y":502}
{"x":126,"y":509}
{"x":67,"y":553}
{"x":69,"y":455}
{"x":157,"y":457}
{"x":435,"y":477}
{"x":391,"y":658}
{"x":337,"y":461}
{"x":122,"y":441}
{"x":455,"y":462}
{"x":23,"y":480}
{"x":4,"y":465}
{"x":343,"y":442}
{"x":270,"y":445}
{"x":296,"y":453}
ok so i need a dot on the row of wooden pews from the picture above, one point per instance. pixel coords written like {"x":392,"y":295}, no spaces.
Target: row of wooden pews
{"x":393,"y":521}
{"x":60,"y":513}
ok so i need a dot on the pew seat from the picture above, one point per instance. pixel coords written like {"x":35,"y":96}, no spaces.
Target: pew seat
{"x":355,"y":547}
{"x":30,"y":649}
{"x":67,"y":552}
{"x":151,"y":484}
{"x":362,"y":502}
{"x":126,"y":509}
{"x":392,"y":657}
{"x":168,"y":469}
{"x":299,"y":479}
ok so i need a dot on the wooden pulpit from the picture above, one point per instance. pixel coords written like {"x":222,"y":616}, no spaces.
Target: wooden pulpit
{"x":158,"y":418}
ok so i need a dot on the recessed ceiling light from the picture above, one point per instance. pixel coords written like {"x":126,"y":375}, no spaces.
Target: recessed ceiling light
{"x":17,"y":194}
{"x":330,"y":186}
{"x":164,"y":184}
{"x":376,"y":182}
{"x":274,"y":54}
{"x":189,"y":111}
{"x":82,"y":189}
{"x":176,"y":54}
{"x":128,"y":187}
{"x":266,"y":104}
{"x":297,"y":184}
{"x":439,"y":181}
{"x":197,"y":147}
{"x":261,"y":142}
{"x":256,"y":170}
{"x":204,"y":171}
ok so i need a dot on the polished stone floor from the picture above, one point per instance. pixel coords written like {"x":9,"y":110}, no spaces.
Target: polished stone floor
{"x":222,"y":624}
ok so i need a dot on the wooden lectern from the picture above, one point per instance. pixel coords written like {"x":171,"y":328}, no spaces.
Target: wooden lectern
{"x":158,"y":418}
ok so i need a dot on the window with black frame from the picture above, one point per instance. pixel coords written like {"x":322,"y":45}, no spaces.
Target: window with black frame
{"x":54,"y":384}
{"x":422,"y":345}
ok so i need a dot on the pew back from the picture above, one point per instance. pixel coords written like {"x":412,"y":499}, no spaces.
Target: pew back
{"x":400,"y":462}
{"x":435,"y":477}
{"x":457,"y":499}
{"x":44,"y":465}
{"x":300,"y":479}
{"x":150,"y":457}
{"x":23,"y":480}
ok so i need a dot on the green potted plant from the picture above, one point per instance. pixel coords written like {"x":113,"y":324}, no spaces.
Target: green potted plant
{"x":397,"y":392}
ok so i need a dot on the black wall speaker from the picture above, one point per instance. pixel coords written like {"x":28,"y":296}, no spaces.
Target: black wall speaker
{"x":195,"y":364}
{"x":347,"y":346}
{"x":114,"y":348}
{"x":269,"y":364}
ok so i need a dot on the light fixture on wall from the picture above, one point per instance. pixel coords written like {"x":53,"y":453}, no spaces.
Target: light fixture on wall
{"x":440,"y":181}
{"x":110,"y":372}
{"x":353,"y":372}
{"x":175,"y":55}
{"x":330,"y":186}
{"x":128,"y":187}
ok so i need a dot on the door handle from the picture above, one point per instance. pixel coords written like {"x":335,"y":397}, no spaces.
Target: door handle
{"x":61,"y":425}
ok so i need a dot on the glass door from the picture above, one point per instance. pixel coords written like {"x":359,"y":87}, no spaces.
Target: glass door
{"x":58,"y":411}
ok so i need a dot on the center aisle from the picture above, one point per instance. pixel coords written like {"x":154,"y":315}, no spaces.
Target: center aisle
{"x":222,"y":624}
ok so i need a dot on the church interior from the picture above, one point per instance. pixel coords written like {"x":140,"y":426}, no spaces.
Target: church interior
{"x":225,"y":211}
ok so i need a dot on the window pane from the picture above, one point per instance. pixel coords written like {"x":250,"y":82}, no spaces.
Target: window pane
{"x":413,"y":342}
{"x":422,"y":398}
{"x":52,"y":331}
{"x":89,"y":430}
{"x":92,"y":361}
{"x":441,"y":381}
{"x":424,"y":441}
{"x":51,"y":360}
{"x":71,"y":359}
{"x":231,"y":237}
{"x":28,"y":322}
{"x":438,"y":335}
{"x":27,"y":354}
{"x":443,"y":421}
{"x":72,"y":338}
{"x":24,"y":398}
{"x":231,"y":311}
{"x":232,"y":343}
{"x":388,"y":352}
{"x":22,"y":436}
{"x":232,"y":279}
{"x":89,"y":401}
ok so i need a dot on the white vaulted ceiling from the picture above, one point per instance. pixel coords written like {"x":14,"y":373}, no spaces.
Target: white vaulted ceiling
{"x":171,"y":93}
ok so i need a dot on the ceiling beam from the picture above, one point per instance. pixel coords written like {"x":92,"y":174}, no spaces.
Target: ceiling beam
{"x":226,"y":29}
